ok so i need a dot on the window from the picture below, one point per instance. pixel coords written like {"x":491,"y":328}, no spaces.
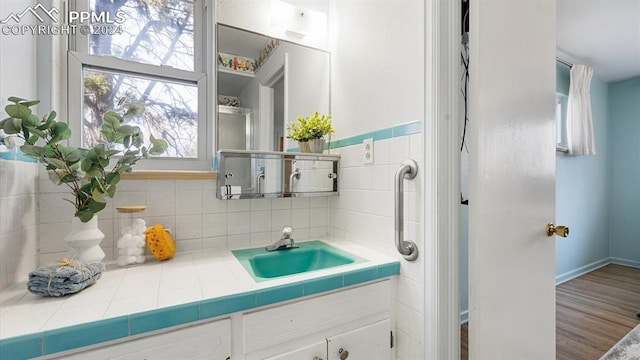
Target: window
{"x":150,"y":51}
{"x":561,"y":124}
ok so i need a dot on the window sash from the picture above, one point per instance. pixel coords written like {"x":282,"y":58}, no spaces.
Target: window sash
{"x":78,"y":56}
{"x":80,"y":42}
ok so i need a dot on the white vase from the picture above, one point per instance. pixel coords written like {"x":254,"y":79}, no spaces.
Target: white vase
{"x":84,"y":239}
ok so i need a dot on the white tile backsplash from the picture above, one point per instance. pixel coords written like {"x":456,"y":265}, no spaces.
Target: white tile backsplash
{"x":189,"y":208}
{"x":18,"y":221}
{"x":300,"y":203}
{"x":239,"y":223}
{"x":238,"y":205}
{"x":189,"y":202}
{"x":214,"y":242}
{"x":260,"y":204}
{"x":214,"y":225}
{"x":300,"y":218}
{"x":281,"y":204}
{"x":128,"y":198}
{"x":260,"y":221}
{"x":161,"y":203}
{"x":188,"y":227}
{"x":364,"y":213}
{"x":161,"y":185}
{"x":281,"y":218}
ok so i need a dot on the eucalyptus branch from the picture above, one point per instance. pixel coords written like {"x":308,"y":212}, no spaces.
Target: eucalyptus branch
{"x":83,"y":171}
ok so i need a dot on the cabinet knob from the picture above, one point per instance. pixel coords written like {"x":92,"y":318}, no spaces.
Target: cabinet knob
{"x":317,"y":358}
{"x":344,"y":354}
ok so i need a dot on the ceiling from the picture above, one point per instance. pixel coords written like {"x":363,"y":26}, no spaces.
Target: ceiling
{"x":240,"y":42}
{"x":604,"y":34}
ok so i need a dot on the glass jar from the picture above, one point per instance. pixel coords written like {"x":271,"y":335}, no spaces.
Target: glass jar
{"x":132,"y":240}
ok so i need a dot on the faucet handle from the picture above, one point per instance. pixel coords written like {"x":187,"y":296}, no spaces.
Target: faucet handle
{"x":287,"y":231}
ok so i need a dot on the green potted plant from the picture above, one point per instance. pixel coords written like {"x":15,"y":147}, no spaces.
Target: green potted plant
{"x":309,"y":132}
{"x":85,"y":172}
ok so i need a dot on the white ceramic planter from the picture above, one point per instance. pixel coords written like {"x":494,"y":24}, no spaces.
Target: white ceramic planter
{"x":84,"y":239}
{"x":315,"y":146}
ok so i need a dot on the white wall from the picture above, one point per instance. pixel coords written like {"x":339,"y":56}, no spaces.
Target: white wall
{"x":255,"y":15}
{"x":377,"y":82}
{"x":18,"y":61}
{"x":18,"y":241}
{"x":377,"y":70}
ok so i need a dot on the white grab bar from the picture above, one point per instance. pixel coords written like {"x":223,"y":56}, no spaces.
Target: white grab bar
{"x":407,"y":248}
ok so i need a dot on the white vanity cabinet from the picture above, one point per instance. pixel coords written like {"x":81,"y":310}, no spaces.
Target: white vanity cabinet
{"x":354,"y":320}
{"x":345,"y":324}
{"x":316,"y":351}
{"x":207,"y":341}
{"x":371,"y":342}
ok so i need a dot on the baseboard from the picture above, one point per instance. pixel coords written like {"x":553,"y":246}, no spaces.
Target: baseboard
{"x":625,"y":262}
{"x":569,"y":275}
{"x":562,"y":278}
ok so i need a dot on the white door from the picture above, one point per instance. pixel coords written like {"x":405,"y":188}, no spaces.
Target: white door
{"x":371,"y":342}
{"x":512,"y":179}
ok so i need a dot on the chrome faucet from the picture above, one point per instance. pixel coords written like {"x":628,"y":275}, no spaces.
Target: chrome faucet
{"x":285,"y":242}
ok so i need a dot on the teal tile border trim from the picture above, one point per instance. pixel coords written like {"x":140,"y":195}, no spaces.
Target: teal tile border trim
{"x":16,"y":155}
{"x":163,"y":318}
{"x":21,"y":347}
{"x":84,"y":334}
{"x":279,"y":293}
{"x":72,"y":337}
{"x":410,"y":128}
{"x":226,"y":305}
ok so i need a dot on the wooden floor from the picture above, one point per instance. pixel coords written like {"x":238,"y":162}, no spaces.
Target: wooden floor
{"x":593,"y":312}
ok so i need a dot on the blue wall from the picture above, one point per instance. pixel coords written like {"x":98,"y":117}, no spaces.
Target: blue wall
{"x":582,"y":191}
{"x":624,"y":129}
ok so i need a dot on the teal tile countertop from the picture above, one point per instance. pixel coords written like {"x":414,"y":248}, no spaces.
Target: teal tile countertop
{"x":156,"y":295}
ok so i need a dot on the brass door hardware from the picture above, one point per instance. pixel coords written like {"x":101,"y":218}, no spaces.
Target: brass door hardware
{"x":560,"y":230}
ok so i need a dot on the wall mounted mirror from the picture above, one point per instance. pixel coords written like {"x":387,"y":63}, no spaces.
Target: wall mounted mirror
{"x":263,"y":84}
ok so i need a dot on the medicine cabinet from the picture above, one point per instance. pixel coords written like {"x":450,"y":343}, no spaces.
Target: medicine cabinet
{"x":244,"y":174}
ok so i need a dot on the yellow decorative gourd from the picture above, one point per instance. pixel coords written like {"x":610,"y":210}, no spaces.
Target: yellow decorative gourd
{"x":160,"y":242}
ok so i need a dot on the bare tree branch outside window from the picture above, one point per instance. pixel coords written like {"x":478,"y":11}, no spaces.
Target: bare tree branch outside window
{"x":155,"y":32}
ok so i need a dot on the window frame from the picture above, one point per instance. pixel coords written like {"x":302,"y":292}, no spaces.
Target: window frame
{"x":78,"y":58}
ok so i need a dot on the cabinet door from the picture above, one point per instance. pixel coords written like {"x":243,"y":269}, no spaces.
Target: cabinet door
{"x":317,"y":351}
{"x":369,"y":342}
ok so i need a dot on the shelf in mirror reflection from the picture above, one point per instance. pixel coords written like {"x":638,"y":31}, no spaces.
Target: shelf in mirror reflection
{"x":279,"y":65}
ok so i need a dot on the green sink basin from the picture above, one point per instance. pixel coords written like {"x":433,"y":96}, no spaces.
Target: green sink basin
{"x":309,"y":256}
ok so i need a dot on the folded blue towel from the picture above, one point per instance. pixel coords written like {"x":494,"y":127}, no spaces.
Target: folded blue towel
{"x":64,"y":278}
